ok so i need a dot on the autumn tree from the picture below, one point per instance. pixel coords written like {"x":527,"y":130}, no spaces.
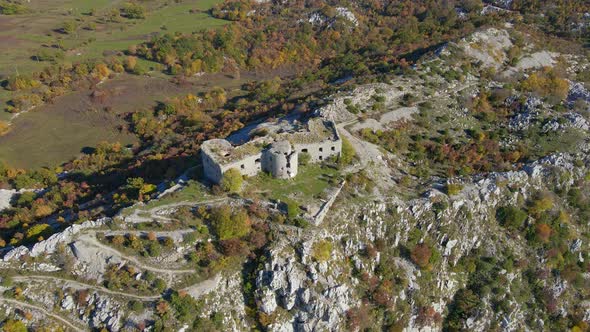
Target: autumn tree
{"x":421,"y":254}
{"x":4,"y":127}
{"x":228,"y":225}
{"x":543,"y":232}
{"x":547,"y":83}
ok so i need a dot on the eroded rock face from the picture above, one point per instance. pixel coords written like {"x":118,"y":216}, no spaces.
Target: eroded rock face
{"x":228,"y":299}
{"x":488,"y":47}
{"x":528,"y":113}
{"x":51,"y":245}
{"x":307,"y":289}
{"x":6,"y":197}
{"x":318,"y":18}
{"x":578,"y":92}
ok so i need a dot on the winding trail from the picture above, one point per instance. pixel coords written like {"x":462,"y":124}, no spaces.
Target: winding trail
{"x":136,"y":218}
{"x":176,"y":235}
{"x":195,"y":290}
{"x":43,"y":310}
{"x":81,"y":285}
{"x":368,"y":154}
{"x":94,"y":242}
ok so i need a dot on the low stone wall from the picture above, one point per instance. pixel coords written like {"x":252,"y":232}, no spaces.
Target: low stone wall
{"x":319,"y":217}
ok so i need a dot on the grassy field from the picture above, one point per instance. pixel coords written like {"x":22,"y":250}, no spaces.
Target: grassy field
{"x":52,"y":134}
{"x":28,"y":34}
{"x":311,"y":181}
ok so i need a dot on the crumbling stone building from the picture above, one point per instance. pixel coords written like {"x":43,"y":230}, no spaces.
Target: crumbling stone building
{"x":276,"y":153}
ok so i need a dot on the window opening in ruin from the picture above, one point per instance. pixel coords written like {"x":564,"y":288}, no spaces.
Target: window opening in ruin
{"x":321,"y":149}
{"x":242,"y":166}
{"x":333,"y":148}
{"x":303,"y":150}
{"x":321,"y":158}
{"x":257,"y":161}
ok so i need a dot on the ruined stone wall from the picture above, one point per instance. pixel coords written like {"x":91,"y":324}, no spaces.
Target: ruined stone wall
{"x":320,"y":151}
{"x":280,"y":165}
{"x":283,"y":164}
{"x":211,"y":169}
{"x":248,"y":166}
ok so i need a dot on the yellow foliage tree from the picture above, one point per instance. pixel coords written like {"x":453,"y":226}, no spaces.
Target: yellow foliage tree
{"x":547,"y":83}
{"x":4,"y":127}
{"x":36,"y":230}
{"x":130,"y":63}
{"x":101,"y":71}
{"x":43,"y":210}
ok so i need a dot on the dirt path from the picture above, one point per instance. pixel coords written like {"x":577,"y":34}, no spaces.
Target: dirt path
{"x":94,"y":242}
{"x":81,"y":285}
{"x":195,"y":290}
{"x":155,"y":213}
{"x":369,"y":155}
{"x":177,"y":235}
{"x":44,"y":311}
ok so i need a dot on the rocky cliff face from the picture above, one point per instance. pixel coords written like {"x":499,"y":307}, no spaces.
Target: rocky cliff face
{"x":302,"y":294}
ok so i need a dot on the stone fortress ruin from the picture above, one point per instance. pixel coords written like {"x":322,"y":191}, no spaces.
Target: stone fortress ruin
{"x":275,"y":149}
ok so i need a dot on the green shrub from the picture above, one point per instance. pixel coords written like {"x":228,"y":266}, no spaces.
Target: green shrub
{"x":293,"y":209}
{"x":159,"y":285}
{"x":304,"y":158}
{"x":541,"y":203}
{"x":511,"y":217}
{"x":453,"y":189}
{"x":9,"y":8}
{"x":190,"y":237}
{"x":12,"y":325}
{"x":136,"y":306}
{"x":232,"y":181}
{"x":69,"y":27}
{"x":133,"y":11}
{"x":154,"y":248}
{"x":227,"y":225}
{"x":348,"y":153}
{"x":321,"y":251}
{"x":26,"y":198}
